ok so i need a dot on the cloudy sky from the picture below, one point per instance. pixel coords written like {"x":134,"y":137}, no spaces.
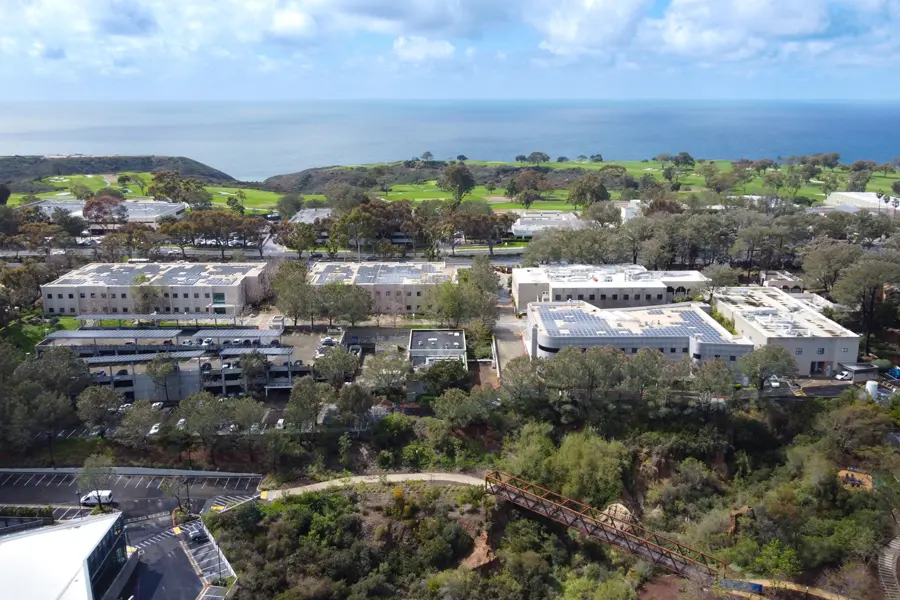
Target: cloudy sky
{"x":358,"y":49}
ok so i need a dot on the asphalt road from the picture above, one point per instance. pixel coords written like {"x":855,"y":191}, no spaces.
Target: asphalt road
{"x":165,"y":573}
{"x":131,"y":493}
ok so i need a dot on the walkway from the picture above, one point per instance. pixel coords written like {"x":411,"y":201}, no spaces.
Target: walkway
{"x":887,"y":569}
{"x":787,"y":585}
{"x":374,"y":480}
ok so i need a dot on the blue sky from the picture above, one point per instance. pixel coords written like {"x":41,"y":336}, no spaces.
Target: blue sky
{"x":493,"y":49}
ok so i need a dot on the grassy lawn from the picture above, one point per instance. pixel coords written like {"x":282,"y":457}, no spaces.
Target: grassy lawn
{"x":255,"y":198}
{"x":25,"y":336}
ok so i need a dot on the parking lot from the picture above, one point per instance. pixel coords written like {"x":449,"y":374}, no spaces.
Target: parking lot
{"x":63,"y":489}
{"x":207,"y":556}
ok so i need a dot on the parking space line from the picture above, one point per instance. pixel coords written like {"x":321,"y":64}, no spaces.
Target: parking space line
{"x":7,"y":479}
{"x":117,"y":480}
{"x":51,"y":480}
{"x":201,"y":487}
{"x":248,"y":484}
{"x":74,"y":479}
{"x":148,"y":483}
{"x":71,"y":434}
{"x":29,"y":479}
{"x":63,"y":480}
{"x":217,"y":482}
{"x":159,"y":484}
{"x":39,"y":480}
{"x":138,"y":481}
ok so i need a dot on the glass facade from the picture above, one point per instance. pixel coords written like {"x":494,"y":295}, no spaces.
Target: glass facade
{"x":107,"y":559}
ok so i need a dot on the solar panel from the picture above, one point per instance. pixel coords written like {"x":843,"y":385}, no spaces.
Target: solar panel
{"x":580,"y":323}
{"x":238,"y":333}
{"x":154,"y":317}
{"x":114,"y":334}
{"x":137,"y":358}
{"x":268,"y":351}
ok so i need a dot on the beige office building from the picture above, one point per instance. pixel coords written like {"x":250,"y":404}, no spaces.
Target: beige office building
{"x":395,"y":287}
{"x":770,"y":316}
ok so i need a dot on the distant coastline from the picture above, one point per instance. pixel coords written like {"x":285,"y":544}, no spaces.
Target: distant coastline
{"x":254,"y":141}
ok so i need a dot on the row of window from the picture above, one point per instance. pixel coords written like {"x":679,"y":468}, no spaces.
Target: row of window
{"x":592,"y":297}
{"x":124,"y":296}
{"x":799,"y":351}
{"x":398,"y":294}
{"x":635,"y":351}
{"x":125,"y":309}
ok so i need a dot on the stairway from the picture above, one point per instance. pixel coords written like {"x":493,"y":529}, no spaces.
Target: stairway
{"x":887,"y":569}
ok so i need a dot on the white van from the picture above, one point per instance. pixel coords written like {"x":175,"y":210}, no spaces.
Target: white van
{"x":97,"y":497}
{"x":279,"y":424}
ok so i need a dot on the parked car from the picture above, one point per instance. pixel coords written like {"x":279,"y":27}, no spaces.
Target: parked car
{"x":155,"y":429}
{"x":129,"y":344}
{"x":200,"y":536}
{"x":124,"y":407}
{"x":356,"y":350}
{"x":328,"y":341}
{"x":298,"y":363}
{"x":226,"y":343}
{"x":275,"y":343}
{"x":317,"y":255}
{"x":206,"y":367}
{"x":96,"y":497}
{"x":167,"y":342}
{"x":279,"y":424}
{"x":187,"y":343}
{"x":207,"y":342}
{"x":254,"y":343}
{"x":156,"y":406}
{"x":180,"y":424}
{"x":237,"y":341}
{"x":773,"y":381}
{"x":227,"y":366}
{"x":121,"y":372}
{"x":245,"y":342}
{"x":844,"y":376}
{"x":286,"y":363}
{"x":100,"y":374}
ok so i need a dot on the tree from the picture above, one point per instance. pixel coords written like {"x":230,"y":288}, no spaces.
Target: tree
{"x":458,"y":179}
{"x":5,"y":193}
{"x":596,"y":158}
{"x":590,"y":468}
{"x":51,"y":411}
{"x":81,"y":191}
{"x":296,"y":236}
{"x":482,"y":275}
{"x":538,"y":157}
{"x":858,"y":180}
{"x":460,"y":409}
{"x":295,"y":297}
{"x":683,"y":160}
{"x":160,"y":368}
{"x":861,"y":286}
{"x":306,"y":402}
{"x":528,"y":197}
{"x":58,"y":370}
{"x":426,"y":156}
{"x":354,"y":304}
{"x":336,"y":367}
{"x":830,"y":183}
{"x":824,"y":261}
{"x":718,"y":277}
{"x":521,"y":158}
{"x":203,"y":416}
{"x":103,"y":210}
{"x":762,"y":363}
{"x":98,"y":473}
{"x":708,"y":171}
{"x":71,"y":224}
{"x":461,"y":157}
{"x":354,"y":401}
{"x":235,"y":205}
{"x":449,"y":303}
{"x":253,"y":364}
{"x":777,"y":560}
{"x":588,"y":190}
{"x":853,"y":427}
{"x":603,"y":214}
{"x":562,"y":159}
{"x":97,"y":405}
{"x":387,"y":374}
{"x":895,"y":186}
{"x":289,"y":205}
{"x":444,"y":374}
{"x":180,"y":233}
{"x":247,"y":413}
{"x":177,"y":488}
{"x":137,"y":423}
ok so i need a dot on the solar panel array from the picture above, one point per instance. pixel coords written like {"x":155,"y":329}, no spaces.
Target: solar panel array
{"x":268,"y":351}
{"x":157,"y":274}
{"x":114,"y":334}
{"x":238,"y":333}
{"x":579,"y":323}
{"x":138,"y":358}
{"x":154,"y":317}
{"x":380,"y":273}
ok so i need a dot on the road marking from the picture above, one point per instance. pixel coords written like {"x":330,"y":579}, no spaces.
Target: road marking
{"x":63,"y":516}
{"x":39,"y":480}
{"x":17,"y":479}
{"x":201,"y":487}
{"x":29,"y":479}
{"x":63,"y":480}
{"x":71,"y":434}
{"x":138,"y":481}
{"x":7,"y":479}
{"x":248,"y":484}
{"x":148,"y":483}
{"x":117,"y":480}
{"x":217,"y":482}
{"x":51,"y":480}
{"x":74,"y":479}
{"x":159,"y":484}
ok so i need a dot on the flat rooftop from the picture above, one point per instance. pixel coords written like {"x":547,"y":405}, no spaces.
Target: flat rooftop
{"x":780,"y":315}
{"x":140,"y":210}
{"x":537,"y":220}
{"x":583,"y":320}
{"x":310,"y":215}
{"x":163,"y":274}
{"x":607,"y":276}
{"x":838,"y":198}
{"x":437,"y":339}
{"x":381,"y":273}
{"x":48,"y":563}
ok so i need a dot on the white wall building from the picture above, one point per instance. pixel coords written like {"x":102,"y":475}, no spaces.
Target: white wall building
{"x":676,"y":330}
{"x":867,"y":200}
{"x":770,"y":316}
{"x":395,"y":287}
{"x":531,"y":222}
{"x":427,"y":346}
{"x":630,"y":209}
{"x":111,"y":288}
{"x":146,"y":212}
{"x":608,"y":286}
{"x":784,"y":281}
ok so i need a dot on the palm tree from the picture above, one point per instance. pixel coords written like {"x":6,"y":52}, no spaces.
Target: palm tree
{"x":880,"y":195}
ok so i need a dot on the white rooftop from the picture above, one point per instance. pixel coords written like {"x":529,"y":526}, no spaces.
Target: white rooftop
{"x":858,"y":199}
{"x":608,"y":276}
{"x":386,"y":273}
{"x":781,"y":315}
{"x":48,"y":563}
{"x":532,"y":221}
{"x":311,"y":215}
{"x":179,"y":273}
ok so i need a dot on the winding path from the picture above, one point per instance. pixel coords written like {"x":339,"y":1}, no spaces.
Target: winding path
{"x":887,"y":569}
{"x":375,"y":479}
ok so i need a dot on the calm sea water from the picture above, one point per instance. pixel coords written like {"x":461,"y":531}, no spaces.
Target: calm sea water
{"x":252,"y":141}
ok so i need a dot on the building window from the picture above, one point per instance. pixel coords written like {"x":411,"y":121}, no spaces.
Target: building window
{"x":124,"y":295}
{"x":114,"y":309}
{"x":155,"y":309}
{"x":72,"y":309}
{"x":218,"y":298}
{"x":71,"y":296}
{"x":615,"y":297}
{"x":558,"y":297}
{"x":196,"y":295}
{"x":81,"y":295}
{"x":732,"y":358}
{"x":624,"y":296}
{"x":662,"y":350}
{"x":196,"y":309}
{"x":176,"y":309}
{"x":843,"y":349}
{"x":648,"y":297}
{"x":603,"y":296}
{"x":112,"y":296}
{"x":568,"y":296}
{"x":175,"y":295}
{"x":591,"y":297}
{"x":684,"y":350}
{"x":93,"y":295}
{"x":820,"y":351}
{"x":408,"y":294}
{"x":166,"y":295}
{"x":717,"y":356}
{"x":378,"y":294}
{"x":671,"y":350}
{"x":798,"y":351}
{"x":206,"y":295}
{"x":408,"y":307}
{"x":659,"y":296}
{"x":49,"y":296}
{"x":168,"y":309}
{"x":418,"y":294}
{"x":103,"y":295}
{"x":51,"y":310}
{"x":634,"y":350}
{"x":398,"y":293}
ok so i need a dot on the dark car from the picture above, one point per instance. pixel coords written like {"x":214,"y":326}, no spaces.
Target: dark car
{"x":121,"y":372}
{"x":246,"y":342}
{"x":317,"y":255}
{"x":274,"y":343}
{"x":206,"y":367}
{"x":298,"y":363}
{"x":254,"y":343}
{"x":200,"y":536}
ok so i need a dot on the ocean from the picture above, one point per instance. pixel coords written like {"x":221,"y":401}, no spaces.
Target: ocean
{"x":252,"y":141}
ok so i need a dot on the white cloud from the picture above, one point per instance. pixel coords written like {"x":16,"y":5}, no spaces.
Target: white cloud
{"x":470,"y":52}
{"x":575,"y":27}
{"x":417,"y":50}
{"x":290,"y":23}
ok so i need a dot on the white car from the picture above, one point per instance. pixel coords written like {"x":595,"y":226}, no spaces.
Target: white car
{"x":180,"y":424}
{"x":155,"y":429}
{"x":844,"y":376}
{"x":96,"y":497}
{"x":156,"y":406}
{"x":124,"y":407}
{"x":207,"y":342}
{"x":773,"y":381}
{"x":279,"y":424}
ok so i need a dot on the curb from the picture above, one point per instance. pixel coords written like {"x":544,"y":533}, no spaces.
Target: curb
{"x":146,"y":518}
